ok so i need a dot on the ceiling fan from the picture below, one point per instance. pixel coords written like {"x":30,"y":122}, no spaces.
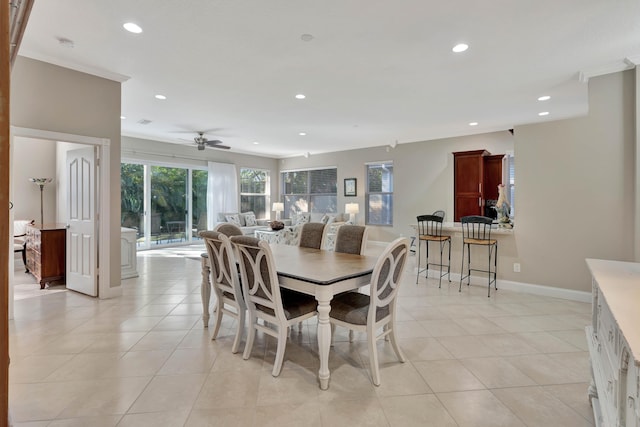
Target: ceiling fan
{"x":203,"y":142}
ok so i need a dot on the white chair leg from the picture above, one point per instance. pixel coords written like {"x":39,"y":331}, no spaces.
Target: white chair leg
{"x":218,"y":312}
{"x":282,"y":344}
{"x":239,"y":331}
{"x":373,"y":355}
{"x":250,"y":338}
{"x":394,"y":341}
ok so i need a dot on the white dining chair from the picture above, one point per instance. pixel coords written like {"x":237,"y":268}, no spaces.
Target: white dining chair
{"x":225,"y":282}
{"x":375,"y":314}
{"x":278,"y":308}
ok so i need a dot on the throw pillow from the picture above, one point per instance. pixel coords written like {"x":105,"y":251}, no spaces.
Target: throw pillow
{"x":250,"y":220}
{"x":233,"y":219}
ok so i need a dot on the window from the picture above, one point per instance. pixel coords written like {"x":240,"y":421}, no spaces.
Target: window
{"x":379,"y":194}
{"x":509,"y":179}
{"x":313,"y":190}
{"x":254,"y":191}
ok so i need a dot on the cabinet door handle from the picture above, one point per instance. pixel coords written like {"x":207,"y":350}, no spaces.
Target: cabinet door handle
{"x":480,"y":201}
{"x":480,"y":188}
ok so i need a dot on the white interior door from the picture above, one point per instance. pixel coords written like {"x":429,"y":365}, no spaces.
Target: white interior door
{"x":82,"y":225}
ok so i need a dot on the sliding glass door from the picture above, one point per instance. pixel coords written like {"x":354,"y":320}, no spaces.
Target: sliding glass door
{"x":167,"y":205}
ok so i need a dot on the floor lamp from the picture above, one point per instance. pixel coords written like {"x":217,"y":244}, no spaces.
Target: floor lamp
{"x":41,"y":182}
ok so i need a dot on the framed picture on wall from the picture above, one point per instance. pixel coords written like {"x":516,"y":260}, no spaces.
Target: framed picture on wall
{"x":350,"y":187}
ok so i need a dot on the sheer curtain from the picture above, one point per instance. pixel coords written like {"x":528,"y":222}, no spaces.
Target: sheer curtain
{"x":222,"y":191}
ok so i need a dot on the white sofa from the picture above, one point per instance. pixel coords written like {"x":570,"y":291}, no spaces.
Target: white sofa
{"x":300,"y":218}
{"x":327,"y":218}
{"x":261,"y":224}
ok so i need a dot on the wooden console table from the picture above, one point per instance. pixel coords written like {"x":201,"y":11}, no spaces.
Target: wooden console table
{"x":47,"y":252}
{"x":614,"y":343}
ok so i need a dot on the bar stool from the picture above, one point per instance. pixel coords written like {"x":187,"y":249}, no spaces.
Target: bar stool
{"x":430,"y":230}
{"x":476,"y":230}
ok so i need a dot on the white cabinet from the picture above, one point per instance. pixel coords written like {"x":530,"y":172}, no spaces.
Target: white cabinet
{"x":128,"y":261}
{"x":614,"y":343}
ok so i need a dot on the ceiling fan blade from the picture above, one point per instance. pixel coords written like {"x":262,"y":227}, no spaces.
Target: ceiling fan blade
{"x":211,"y":130}
{"x":224,"y":147}
{"x":212,"y":142}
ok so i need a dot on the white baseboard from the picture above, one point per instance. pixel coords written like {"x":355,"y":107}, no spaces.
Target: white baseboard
{"x":528,"y":288}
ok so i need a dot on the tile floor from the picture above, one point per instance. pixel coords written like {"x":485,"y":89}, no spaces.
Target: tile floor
{"x":145,"y":359}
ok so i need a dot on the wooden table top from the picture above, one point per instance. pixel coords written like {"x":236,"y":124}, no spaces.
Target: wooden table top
{"x":318,"y":266}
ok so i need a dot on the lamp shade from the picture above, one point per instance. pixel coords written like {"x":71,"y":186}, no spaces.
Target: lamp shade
{"x":278,"y":207}
{"x":352,"y":208}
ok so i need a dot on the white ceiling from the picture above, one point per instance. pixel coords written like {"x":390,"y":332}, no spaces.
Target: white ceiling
{"x":376,"y":71}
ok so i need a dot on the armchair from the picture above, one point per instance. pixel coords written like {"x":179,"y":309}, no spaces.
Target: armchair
{"x":20,"y":239}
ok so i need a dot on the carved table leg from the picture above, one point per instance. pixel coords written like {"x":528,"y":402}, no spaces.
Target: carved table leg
{"x":205,"y":288}
{"x":324,"y":336}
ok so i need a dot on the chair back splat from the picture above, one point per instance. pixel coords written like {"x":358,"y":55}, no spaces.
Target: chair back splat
{"x":225,"y":282}
{"x":312,"y":235}
{"x":375,"y":314}
{"x":351,"y":239}
{"x":277,"y":308}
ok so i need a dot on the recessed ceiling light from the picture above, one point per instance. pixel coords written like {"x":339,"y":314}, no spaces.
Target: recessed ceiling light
{"x":255,"y":143}
{"x":460,"y":47}
{"x":544,"y":98}
{"x":302,"y":134}
{"x":544,"y":113}
{"x":122,"y":117}
{"x":300,"y":96}
{"x":160,"y":96}
{"x":473,"y":124}
{"x":132,"y":28}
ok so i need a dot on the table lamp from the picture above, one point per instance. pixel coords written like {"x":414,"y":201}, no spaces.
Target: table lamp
{"x":278,"y":207}
{"x":41,"y":182}
{"x":352,"y":209}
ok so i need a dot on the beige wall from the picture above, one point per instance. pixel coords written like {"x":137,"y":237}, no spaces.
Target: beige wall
{"x":575,"y":193}
{"x":575,"y":187}
{"x":26,"y":195}
{"x":423,"y":176}
{"x":56,"y":99}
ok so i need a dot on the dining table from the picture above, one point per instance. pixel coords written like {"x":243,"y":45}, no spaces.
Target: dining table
{"x":316,"y":272}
